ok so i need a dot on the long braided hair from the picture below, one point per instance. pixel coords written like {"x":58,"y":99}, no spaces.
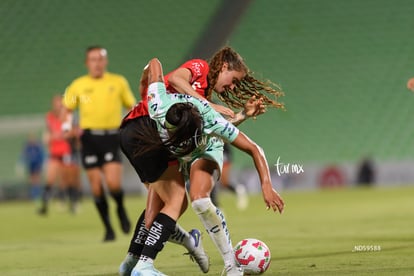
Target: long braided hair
{"x":248,"y":87}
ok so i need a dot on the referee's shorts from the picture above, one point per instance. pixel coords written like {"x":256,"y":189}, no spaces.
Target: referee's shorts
{"x":99,"y":147}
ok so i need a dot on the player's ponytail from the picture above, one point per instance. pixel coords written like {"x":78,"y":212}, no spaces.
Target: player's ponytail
{"x":184,"y":125}
{"x":248,"y":87}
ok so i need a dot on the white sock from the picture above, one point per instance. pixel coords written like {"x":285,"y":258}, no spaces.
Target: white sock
{"x":145,"y":259}
{"x":216,"y":226}
{"x":182,"y":237}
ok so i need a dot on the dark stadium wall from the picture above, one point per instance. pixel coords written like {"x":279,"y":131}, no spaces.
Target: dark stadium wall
{"x":218,"y":29}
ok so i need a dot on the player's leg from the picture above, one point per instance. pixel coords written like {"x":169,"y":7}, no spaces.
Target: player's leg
{"x":92,"y":162}
{"x":190,"y":240}
{"x":170,"y":188}
{"x":203,"y":173}
{"x":101,"y":204}
{"x":113,"y":175}
{"x":53,"y":170}
{"x":71,"y":176}
{"x":35,"y":178}
{"x":112,"y":169}
{"x":151,"y":167}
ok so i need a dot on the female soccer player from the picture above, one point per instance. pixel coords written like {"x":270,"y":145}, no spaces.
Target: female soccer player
{"x":60,"y":157}
{"x":191,"y":131}
{"x":223,"y":75}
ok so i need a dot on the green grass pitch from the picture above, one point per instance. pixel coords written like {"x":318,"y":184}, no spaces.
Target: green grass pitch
{"x":331,"y":232}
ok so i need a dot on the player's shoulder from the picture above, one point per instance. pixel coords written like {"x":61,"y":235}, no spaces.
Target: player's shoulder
{"x":197,"y":64}
{"x":199,"y":61}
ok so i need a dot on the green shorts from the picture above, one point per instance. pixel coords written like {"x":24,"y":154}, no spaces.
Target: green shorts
{"x":213,"y":151}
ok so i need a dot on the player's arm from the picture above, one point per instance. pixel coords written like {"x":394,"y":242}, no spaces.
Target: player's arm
{"x":153,"y":72}
{"x":180,"y":79}
{"x":153,"y":78}
{"x":271,"y":197}
{"x":46,"y":134}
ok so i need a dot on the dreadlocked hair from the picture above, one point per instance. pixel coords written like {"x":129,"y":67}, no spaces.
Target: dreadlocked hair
{"x":248,"y":87}
{"x":184,"y":125}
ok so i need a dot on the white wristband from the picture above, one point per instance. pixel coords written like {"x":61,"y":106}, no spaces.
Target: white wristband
{"x":66,"y":126}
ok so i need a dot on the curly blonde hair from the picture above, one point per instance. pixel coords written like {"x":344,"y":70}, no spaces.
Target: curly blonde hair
{"x":248,"y":87}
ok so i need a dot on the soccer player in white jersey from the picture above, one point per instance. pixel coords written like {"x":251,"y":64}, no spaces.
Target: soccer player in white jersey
{"x":191,"y":129}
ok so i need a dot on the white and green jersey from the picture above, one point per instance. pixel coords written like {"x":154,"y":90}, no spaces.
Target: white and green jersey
{"x":215,"y":127}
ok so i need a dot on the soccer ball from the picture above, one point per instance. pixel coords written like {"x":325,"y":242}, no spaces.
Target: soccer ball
{"x":253,"y":255}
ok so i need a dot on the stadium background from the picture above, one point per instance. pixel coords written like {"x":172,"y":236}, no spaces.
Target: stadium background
{"x":342,"y":64}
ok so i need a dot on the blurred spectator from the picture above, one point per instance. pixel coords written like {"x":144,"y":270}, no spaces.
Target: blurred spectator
{"x":100,"y":97}
{"x":366,"y":172}
{"x":32,"y":157}
{"x":71,"y":168}
{"x":59,"y":158}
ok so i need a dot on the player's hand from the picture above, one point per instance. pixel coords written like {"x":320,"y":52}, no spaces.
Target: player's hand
{"x":254,"y":107}
{"x":410,"y":84}
{"x":273,"y":200}
{"x":223,"y":110}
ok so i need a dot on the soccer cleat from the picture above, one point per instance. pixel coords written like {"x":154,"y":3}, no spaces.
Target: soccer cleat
{"x":198,"y":254}
{"x":145,"y":269}
{"x":109,"y":236}
{"x":232,"y":270}
{"x":127,"y":265}
{"x":242,"y":199}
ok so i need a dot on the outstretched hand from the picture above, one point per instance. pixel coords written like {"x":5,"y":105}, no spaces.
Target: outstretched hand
{"x":274,"y":200}
{"x":254,"y":107}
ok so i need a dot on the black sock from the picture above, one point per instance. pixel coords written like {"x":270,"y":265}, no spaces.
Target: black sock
{"x":140,"y":235}
{"x":72,"y":194}
{"x":73,"y":197}
{"x":102,"y":206}
{"x":118,"y":196}
{"x":159,"y":233}
{"x":61,"y":194}
{"x":47,"y":192}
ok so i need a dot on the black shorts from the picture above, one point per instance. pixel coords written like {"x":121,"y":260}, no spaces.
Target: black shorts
{"x":151,"y":165}
{"x":99,"y":147}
